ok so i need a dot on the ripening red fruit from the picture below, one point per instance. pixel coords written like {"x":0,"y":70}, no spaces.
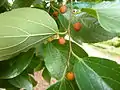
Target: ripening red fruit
{"x":77,"y":26}
{"x":61,"y":40}
{"x":63,"y":9}
{"x":55,"y":14}
{"x":70,"y":76}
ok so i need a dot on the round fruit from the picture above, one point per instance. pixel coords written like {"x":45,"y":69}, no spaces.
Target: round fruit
{"x":63,"y":9}
{"x":55,"y":14}
{"x":61,"y":40}
{"x":70,"y":76}
{"x":77,"y":26}
{"x":50,"y":39}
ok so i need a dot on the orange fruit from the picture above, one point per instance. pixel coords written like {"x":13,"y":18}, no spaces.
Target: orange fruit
{"x":55,"y":14}
{"x":70,"y":76}
{"x":77,"y":26}
{"x":63,"y":9}
{"x":61,"y":40}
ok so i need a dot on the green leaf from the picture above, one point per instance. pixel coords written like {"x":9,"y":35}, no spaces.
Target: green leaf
{"x":21,"y":81}
{"x":37,"y":1}
{"x":5,"y":84}
{"x":2,"y":9}
{"x":109,"y":16}
{"x":54,"y":61}
{"x":39,"y":4}
{"x":54,"y":86}
{"x":16,"y":65}
{"x":90,"y":12}
{"x":32,"y":80}
{"x":90,"y":25}
{"x":87,"y":78}
{"x":40,"y":66}
{"x":2,"y":2}
{"x":56,"y":56}
{"x":24,"y":30}
{"x":36,"y":64}
{"x":62,"y":85}
{"x":78,"y":50}
{"x":46,"y":75}
{"x":63,"y":23}
{"x":14,"y":88}
{"x":108,"y":70}
{"x":73,"y":82}
{"x":22,"y":3}
{"x":79,"y":4}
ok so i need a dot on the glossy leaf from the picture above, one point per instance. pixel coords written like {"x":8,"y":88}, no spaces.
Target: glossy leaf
{"x":63,"y":23}
{"x":21,"y":82}
{"x":90,"y":12}
{"x":109,"y":16}
{"x":24,"y":30}
{"x":22,"y":3}
{"x":46,"y":75}
{"x":88,"y":79}
{"x":89,"y":25}
{"x":91,"y":31}
{"x":36,"y":64}
{"x":54,"y":61}
{"x":108,"y":70}
{"x":16,"y":65}
{"x":62,"y":85}
{"x":40,"y":66}
{"x":54,"y":86}
{"x":56,"y":56}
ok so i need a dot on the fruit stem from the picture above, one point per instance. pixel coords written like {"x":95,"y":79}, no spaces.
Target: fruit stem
{"x":70,"y":46}
{"x":64,"y":73}
{"x":76,"y":56}
{"x":62,"y":33}
{"x":54,"y":7}
{"x":69,"y":34}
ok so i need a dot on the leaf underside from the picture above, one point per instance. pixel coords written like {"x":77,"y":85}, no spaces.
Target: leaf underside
{"x":21,"y":31}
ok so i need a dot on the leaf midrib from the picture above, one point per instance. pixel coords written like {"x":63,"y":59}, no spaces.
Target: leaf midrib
{"x":102,"y":66}
{"x":108,"y":68}
{"x":24,"y":47}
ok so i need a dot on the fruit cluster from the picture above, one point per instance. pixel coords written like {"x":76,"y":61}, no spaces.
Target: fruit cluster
{"x":77,"y":26}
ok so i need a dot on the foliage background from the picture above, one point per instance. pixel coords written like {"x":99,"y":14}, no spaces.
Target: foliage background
{"x":100,"y":41}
